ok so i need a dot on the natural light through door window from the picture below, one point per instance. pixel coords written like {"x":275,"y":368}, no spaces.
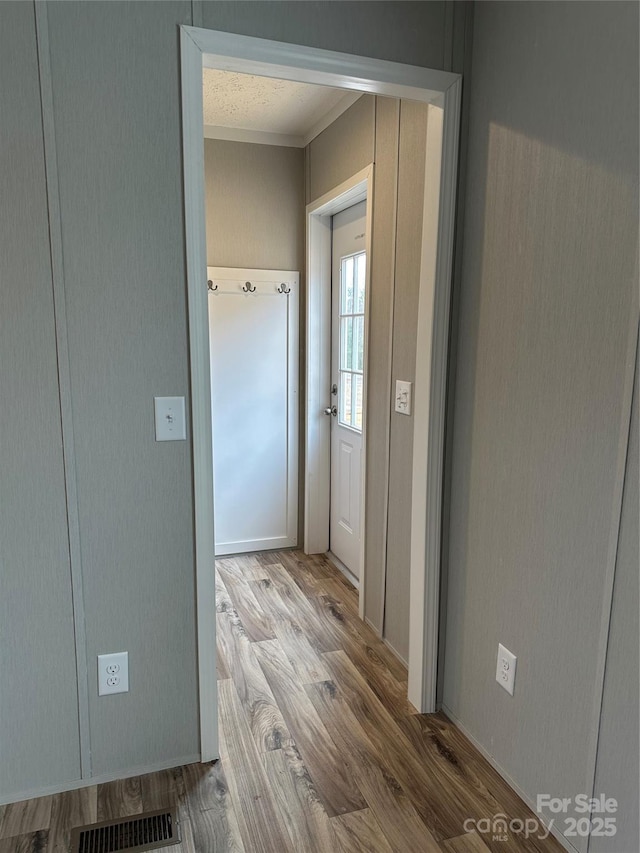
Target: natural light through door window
{"x":351,"y":366}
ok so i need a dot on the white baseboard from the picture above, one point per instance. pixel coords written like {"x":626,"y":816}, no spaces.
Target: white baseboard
{"x":75,"y":785}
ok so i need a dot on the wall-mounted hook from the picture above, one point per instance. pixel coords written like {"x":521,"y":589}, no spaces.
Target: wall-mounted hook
{"x":284,"y":288}
{"x":211,"y":286}
{"x":248,"y":287}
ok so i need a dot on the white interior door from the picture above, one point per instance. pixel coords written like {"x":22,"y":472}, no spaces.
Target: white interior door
{"x":347,"y":377}
{"x":253,"y":333}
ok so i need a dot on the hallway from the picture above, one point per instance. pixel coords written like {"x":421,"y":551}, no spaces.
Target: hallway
{"x":320,"y":750}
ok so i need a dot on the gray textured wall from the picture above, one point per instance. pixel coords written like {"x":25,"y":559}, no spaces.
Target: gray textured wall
{"x":415,"y":33}
{"x":617,"y":770}
{"x":115,"y":72}
{"x":548,"y":288}
{"x":38,"y":700}
{"x":116,"y":100}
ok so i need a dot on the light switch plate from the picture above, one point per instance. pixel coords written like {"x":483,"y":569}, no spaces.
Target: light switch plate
{"x":170,"y":420}
{"x":403,"y":397}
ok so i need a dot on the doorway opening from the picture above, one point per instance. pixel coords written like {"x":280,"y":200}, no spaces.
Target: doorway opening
{"x":441,"y":90}
{"x":335,"y":446}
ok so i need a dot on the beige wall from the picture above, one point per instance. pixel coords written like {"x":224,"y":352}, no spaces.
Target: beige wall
{"x":254,"y":205}
{"x":548,"y":311}
{"x":392,"y":134}
{"x":254,"y":199}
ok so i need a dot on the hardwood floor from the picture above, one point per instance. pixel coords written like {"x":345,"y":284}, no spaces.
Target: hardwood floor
{"x":320,"y":749}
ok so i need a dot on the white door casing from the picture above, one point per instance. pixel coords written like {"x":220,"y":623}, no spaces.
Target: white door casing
{"x":348,"y":278}
{"x":253,"y":324}
{"x":442,"y":90}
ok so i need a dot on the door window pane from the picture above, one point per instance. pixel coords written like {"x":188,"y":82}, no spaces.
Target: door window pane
{"x":357,"y":361}
{"x":360,"y":273}
{"x":347,"y":286}
{"x":356,"y":405}
{"x":351,"y":343}
{"x":346,"y":343}
{"x":345,"y":412}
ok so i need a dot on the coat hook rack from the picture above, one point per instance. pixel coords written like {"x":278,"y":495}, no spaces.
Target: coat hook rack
{"x":284,"y":288}
{"x":211,"y":286}
{"x":248,"y":287}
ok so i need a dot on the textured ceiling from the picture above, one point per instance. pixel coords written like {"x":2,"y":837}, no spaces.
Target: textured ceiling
{"x":265,"y":104}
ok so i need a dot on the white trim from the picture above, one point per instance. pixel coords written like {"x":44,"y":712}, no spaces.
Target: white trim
{"x":430,"y":397}
{"x":256,"y":137}
{"x":194,"y":210}
{"x":266,"y":58}
{"x":113,"y":776}
{"x":317,"y":475}
{"x":244,"y":54}
{"x":64,"y":380}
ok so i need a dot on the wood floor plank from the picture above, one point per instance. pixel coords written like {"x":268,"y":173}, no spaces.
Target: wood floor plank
{"x":254,"y":620}
{"x":261,"y":826}
{"x":443,"y":814}
{"x":222,"y":667}
{"x":212,"y":814}
{"x":164,"y":789}
{"x":247,"y":567}
{"x":332,"y":629}
{"x":359,"y":832}
{"x":119,"y":799}
{"x":297,"y":562}
{"x":370,"y":660}
{"x":27,"y":816}
{"x":267,"y":558}
{"x":470,"y":842}
{"x":332,"y":779}
{"x":305,"y":661}
{"x":73,"y":808}
{"x":31,"y":842}
{"x":321,"y":633}
{"x":364,"y":632}
{"x":437,"y":741}
{"x":401,"y":781}
{"x":448,"y":796}
{"x":400,"y":822}
{"x":262,"y":713}
{"x":306,"y":818}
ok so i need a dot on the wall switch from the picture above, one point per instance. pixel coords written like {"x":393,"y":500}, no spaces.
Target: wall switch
{"x":403,"y":397}
{"x":113,"y":673}
{"x":170,"y":420}
{"x":506,"y":669}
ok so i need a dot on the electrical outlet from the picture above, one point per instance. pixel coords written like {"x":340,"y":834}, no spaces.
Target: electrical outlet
{"x":113,"y":673}
{"x":506,"y":669}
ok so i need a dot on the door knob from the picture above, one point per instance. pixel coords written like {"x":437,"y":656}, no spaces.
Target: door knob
{"x":331,"y":410}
